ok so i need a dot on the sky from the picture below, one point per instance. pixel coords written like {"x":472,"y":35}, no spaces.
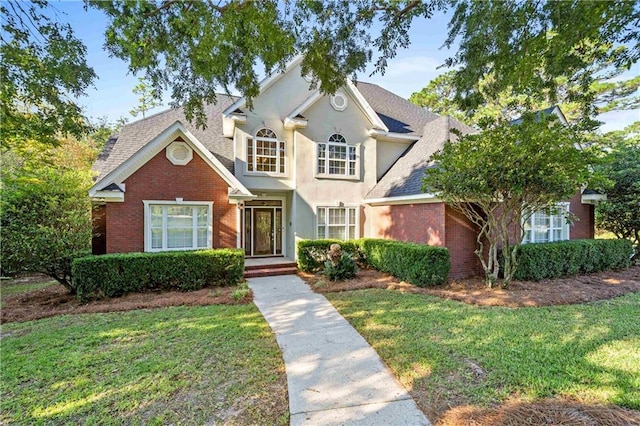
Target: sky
{"x":408,"y":72}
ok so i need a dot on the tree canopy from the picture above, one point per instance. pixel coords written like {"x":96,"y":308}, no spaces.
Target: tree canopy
{"x":42,"y":71}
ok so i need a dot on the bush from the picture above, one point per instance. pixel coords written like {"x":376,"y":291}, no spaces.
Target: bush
{"x":345,"y":269}
{"x":419,"y":264}
{"x":113,"y":275}
{"x":313,"y":253}
{"x":566,"y":258}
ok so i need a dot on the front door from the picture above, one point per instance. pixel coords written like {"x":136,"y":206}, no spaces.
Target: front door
{"x":263,"y":231}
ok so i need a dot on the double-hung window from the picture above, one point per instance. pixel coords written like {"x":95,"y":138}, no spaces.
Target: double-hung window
{"x":337,"y":222}
{"x":336,"y":157}
{"x":173,"y":226}
{"x":265,"y":153}
{"x":543,"y":227}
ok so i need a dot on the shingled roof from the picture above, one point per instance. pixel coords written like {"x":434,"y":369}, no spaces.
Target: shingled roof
{"x":135,"y":135}
{"x":405,"y":176}
{"x":397,"y":113}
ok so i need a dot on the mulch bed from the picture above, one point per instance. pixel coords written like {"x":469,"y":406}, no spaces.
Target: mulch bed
{"x":473,"y":291}
{"x":55,"y":300}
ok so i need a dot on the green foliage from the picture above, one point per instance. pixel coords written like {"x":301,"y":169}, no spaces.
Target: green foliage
{"x":42,"y":68}
{"x":195,"y":47}
{"x":535,"y":47}
{"x":241,"y":291}
{"x":418,"y":264}
{"x":344,"y":269}
{"x":566,"y":258}
{"x":620,"y":213}
{"x":113,"y":275}
{"x":312,"y":254}
{"x":148,"y":98}
{"x":507,"y":172}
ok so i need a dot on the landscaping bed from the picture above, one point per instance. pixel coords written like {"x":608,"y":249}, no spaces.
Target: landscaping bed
{"x":54,"y":299}
{"x":561,"y":291}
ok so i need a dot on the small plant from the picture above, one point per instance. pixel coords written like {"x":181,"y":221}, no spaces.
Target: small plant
{"x":215,"y":293}
{"x":241,"y":291}
{"x":343,"y":269}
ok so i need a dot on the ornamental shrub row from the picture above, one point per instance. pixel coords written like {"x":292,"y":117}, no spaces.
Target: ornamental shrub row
{"x":112,"y":275}
{"x":419,"y":264}
{"x":566,"y":258}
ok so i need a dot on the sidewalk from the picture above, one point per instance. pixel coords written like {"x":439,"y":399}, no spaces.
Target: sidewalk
{"x":334,"y":376}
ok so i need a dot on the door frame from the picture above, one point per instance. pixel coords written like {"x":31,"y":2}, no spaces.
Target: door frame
{"x":283,"y":232}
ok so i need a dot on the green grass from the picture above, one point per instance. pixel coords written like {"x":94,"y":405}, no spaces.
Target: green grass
{"x":8,"y":289}
{"x":196,"y":365}
{"x":589,"y":353}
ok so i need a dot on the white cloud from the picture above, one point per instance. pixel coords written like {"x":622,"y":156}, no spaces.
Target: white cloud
{"x":618,"y":120}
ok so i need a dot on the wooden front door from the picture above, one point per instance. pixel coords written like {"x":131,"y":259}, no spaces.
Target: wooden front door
{"x":263,"y":231}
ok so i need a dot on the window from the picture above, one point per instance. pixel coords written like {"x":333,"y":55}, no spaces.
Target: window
{"x":173,"y":226}
{"x":337,"y":222}
{"x":265,"y":153}
{"x":336,"y":157}
{"x":543,"y":227}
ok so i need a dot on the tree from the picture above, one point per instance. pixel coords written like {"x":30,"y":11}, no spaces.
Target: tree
{"x":148,"y":98}
{"x":194,"y":47}
{"x":498,"y":178}
{"x":42,"y":68}
{"x":45,"y":214}
{"x":620,"y":213}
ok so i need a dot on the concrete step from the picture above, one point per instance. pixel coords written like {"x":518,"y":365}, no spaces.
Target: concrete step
{"x":270,"y":271}
{"x":278,"y":265}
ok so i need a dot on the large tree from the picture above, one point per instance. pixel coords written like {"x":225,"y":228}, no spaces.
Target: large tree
{"x":499,"y":177}
{"x":195,"y":47}
{"x":43,"y":71}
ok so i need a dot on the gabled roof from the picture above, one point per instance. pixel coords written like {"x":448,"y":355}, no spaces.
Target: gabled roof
{"x":405,"y":176}
{"x":136,"y":135}
{"x":397,"y":113}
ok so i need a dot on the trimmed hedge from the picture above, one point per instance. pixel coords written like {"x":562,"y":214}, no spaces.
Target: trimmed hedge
{"x":113,"y":275}
{"x":565,"y":258}
{"x":419,"y":264}
{"x":313,"y":253}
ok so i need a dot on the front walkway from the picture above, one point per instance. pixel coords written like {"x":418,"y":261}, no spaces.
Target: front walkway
{"x":334,"y":376}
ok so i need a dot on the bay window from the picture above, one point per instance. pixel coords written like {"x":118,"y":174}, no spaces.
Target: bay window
{"x":171,"y":225}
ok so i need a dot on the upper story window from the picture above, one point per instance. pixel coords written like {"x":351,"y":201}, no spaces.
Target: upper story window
{"x":265,"y":153}
{"x":336,"y":157}
{"x":543,"y":227}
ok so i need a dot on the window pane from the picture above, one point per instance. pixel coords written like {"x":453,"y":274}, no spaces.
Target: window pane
{"x":282,"y":154}
{"x":557,"y":235}
{"x":336,"y":232}
{"x":352,"y":232}
{"x":336,"y":167}
{"x":203,"y":238}
{"x":179,"y":216}
{"x":156,"y":238}
{"x":179,"y":238}
{"x":156,"y":216}
{"x":202,"y":215}
{"x":352,"y":216}
{"x":557,"y":221}
{"x":321,"y":216}
{"x":541,"y":236}
{"x":250,"y":155}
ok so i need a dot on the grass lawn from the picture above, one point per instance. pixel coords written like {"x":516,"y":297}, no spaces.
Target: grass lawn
{"x":11,"y":288}
{"x":179,"y":365}
{"x":449,"y":353}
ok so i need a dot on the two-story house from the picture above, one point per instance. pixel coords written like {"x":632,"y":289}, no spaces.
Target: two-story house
{"x":298,"y":165}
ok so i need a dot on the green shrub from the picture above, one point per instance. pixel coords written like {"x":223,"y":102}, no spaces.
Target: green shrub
{"x":313,"y":253}
{"x":345,"y":269}
{"x":419,"y":264}
{"x":566,"y":258}
{"x":113,"y":275}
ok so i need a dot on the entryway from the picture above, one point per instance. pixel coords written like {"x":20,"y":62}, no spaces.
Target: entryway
{"x":263,"y":226}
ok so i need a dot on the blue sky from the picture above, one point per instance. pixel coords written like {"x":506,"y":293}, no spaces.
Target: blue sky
{"x":408,"y":72}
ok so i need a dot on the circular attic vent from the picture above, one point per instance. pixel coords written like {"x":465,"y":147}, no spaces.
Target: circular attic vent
{"x":179,"y":153}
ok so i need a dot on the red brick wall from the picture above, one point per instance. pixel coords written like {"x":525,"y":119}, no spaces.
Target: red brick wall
{"x":99,"y":229}
{"x":461,"y":240}
{"x":418,"y":223}
{"x":583,"y":228}
{"x":159,"y":179}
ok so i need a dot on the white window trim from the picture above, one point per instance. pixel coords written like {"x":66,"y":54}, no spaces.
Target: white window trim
{"x":176,"y":202}
{"x":176,"y":161}
{"x":566,"y":227}
{"x":254,"y":139}
{"x":326,"y":174}
{"x":317,"y":207}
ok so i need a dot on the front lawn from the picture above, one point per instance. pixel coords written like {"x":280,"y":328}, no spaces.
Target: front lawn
{"x":18,"y":286}
{"x":449,"y":354}
{"x":179,"y":365}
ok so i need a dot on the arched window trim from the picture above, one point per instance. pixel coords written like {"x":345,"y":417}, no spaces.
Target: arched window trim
{"x":265,"y":153}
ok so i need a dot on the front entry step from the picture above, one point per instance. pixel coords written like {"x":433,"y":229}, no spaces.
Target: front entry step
{"x":278,"y":267}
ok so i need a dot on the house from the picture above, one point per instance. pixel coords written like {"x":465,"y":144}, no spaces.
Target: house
{"x":298,"y":165}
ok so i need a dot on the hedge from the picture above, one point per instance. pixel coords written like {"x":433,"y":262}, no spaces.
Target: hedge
{"x":113,"y":275}
{"x":313,"y":253}
{"x":419,"y":264}
{"x":566,"y":258}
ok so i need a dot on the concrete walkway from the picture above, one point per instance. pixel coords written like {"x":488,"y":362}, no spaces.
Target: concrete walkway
{"x":334,"y":376}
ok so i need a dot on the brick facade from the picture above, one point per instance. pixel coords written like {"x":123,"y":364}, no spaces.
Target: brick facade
{"x":159,"y":179}
{"x":585,"y":226}
{"x":418,"y":223}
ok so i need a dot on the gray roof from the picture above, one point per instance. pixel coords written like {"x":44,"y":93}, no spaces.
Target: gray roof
{"x":397,"y":113}
{"x":134,"y":136}
{"x":405,"y":176}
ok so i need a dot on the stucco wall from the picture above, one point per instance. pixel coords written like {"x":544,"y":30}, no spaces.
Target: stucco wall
{"x":159,"y":179}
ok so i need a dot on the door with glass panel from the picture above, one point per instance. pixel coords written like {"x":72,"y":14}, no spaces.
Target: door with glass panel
{"x":263,"y":228}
